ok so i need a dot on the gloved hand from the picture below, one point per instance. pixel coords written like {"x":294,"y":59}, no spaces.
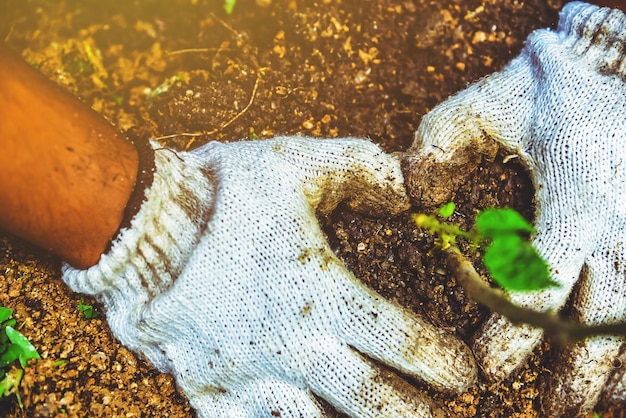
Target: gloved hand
{"x":225,"y":279}
{"x":560,"y":106}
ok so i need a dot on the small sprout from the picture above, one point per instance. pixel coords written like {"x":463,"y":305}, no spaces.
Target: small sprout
{"x":513,"y":263}
{"x":5,"y":313}
{"x":9,"y":385}
{"x":229,"y":5}
{"x":13,"y":347}
{"x":119,"y":100}
{"x":88,"y":311}
{"x":59,"y":363}
{"x":446,"y":233}
{"x":152,"y":94}
{"x":21,"y":347}
{"x":446,"y":210}
{"x":94,"y":57}
{"x":510,"y":259}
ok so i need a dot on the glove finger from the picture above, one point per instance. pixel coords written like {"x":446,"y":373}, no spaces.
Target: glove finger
{"x":258,"y":398}
{"x":615,"y":389}
{"x":448,"y":146}
{"x":356,"y":387}
{"x":270,"y":398}
{"x":582,"y":369}
{"x":501,"y":347}
{"x":210,"y":405}
{"x":345,"y":169}
{"x":580,"y":372}
{"x":404,"y":341}
{"x":467,"y":128}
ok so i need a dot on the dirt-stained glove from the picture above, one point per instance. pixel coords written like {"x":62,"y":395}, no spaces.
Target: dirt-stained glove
{"x":226,"y":280}
{"x":561,"y":107}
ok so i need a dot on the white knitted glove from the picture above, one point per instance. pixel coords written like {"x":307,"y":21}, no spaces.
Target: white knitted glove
{"x":225,"y":279}
{"x":560,"y":106}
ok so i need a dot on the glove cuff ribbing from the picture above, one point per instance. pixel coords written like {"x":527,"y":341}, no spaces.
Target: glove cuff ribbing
{"x":166,"y":216}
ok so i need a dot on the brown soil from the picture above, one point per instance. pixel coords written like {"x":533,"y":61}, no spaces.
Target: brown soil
{"x":187,"y":73}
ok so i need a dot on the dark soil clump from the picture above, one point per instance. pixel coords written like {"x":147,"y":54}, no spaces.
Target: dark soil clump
{"x":185,"y":73}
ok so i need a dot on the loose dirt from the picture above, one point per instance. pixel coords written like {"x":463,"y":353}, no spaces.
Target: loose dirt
{"x":186,"y":73}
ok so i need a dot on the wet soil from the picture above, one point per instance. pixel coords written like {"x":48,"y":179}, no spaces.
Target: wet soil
{"x":185,"y":72}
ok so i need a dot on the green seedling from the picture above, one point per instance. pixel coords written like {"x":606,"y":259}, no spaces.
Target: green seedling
{"x":153,"y":94}
{"x":512,"y":261}
{"x":229,"y":5}
{"x":59,"y":363}
{"x":10,"y":383}
{"x":504,"y":235}
{"x":88,"y":311}
{"x":13,"y":347}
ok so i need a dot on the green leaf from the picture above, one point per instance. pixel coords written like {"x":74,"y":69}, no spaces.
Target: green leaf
{"x":5,"y":313}
{"x":26,"y":350}
{"x":8,"y":323}
{"x":493,"y":222}
{"x":446,"y":210}
{"x":515,"y":264}
{"x":229,"y":5}
{"x":11,"y":354}
{"x":11,"y":381}
{"x":88,"y":311}
{"x":59,"y":363}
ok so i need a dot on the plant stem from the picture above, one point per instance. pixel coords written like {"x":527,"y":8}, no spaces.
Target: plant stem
{"x":497,"y":301}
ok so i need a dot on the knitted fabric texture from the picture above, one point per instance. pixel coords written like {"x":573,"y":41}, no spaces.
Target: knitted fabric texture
{"x":560,"y":106}
{"x":225,"y":279}
{"x":145,"y":259}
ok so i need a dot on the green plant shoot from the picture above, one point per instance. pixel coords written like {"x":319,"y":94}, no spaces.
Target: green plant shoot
{"x":88,"y":311}
{"x":229,"y":5}
{"x":511,"y":260}
{"x":446,"y":210}
{"x":10,"y":383}
{"x":13,"y":347}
